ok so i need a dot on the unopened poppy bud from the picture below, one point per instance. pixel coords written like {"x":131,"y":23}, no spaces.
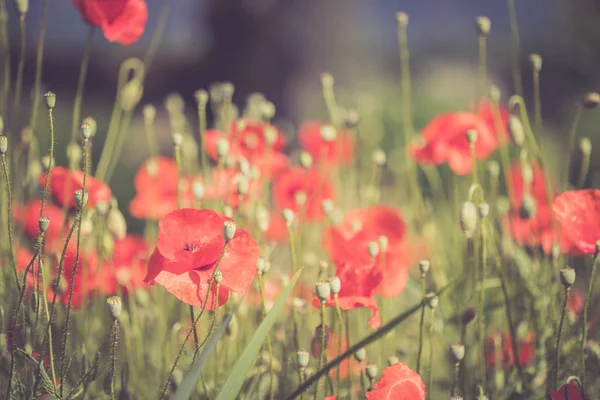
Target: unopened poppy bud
{"x":458,"y":352}
{"x":271,"y":135}
{"x":379,"y":157}
{"x":81,"y":198}
{"x":149,"y":113}
{"x":383,"y":242}
{"x":327,"y":206}
{"x":114,"y":306}
{"x":585,"y":146}
{"x":483,"y":25}
{"x":494,"y":93}
{"x":102,"y":208}
{"x":218,"y":276}
{"x":86,"y":131}
{"x":93,"y":125}
{"x":22,"y":6}
{"x":351,"y":118}
{"x":300,"y":197}
{"x":555,"y":252}
{"x":74,"y":153}
{"x":328,"y":133}
{"x":131,"y":94}
{"x":228,"y":89}
{"x":229,"y":228}
{"x":372,"y":371}
{"x":327,"y":79}
{"x":116,"y":224}
{"x":323,"y":291}
{"x":198,"y":190}
{"x":227,"y":211}
{"x":242,"y":186}
{"x":528,"y":207}
{"x":3,"y":144}
{"x":288,"y":216}
{"x":267,"y":266}
{"x":494,"y":169}
{"x":50,"y":100}
{"x":432,"y":300}
{"x":335,"y":284}
{"x":468,"y":315}
{"x":303,"y":358}
{"x":535,"y":60}
{"x":468,"y":218}
{"x":402,"y":19}
{"x":201,"y":97}
{"x":260,"y":265}
{"x":424,"y":266}
{"x":393,"y":360}
{"x":482,"y":396}
{"x":360,"y":354}
{"x":515,"y":129}
{"x":306,"y":160}
{"x":267,"y":110}
{"x":484,"y":210}
{"x":222,"y":148}
{"x":591,"y":100}
{"x":43,"y":224}
{"x":567,"y":277}
{"x":373,"y":249}
{"x":177,"y":139}
{"x":472,"y":136}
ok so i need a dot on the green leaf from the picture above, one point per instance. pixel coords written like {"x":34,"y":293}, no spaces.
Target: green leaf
{"x":189,"y":382}
{"x":236,"y":378}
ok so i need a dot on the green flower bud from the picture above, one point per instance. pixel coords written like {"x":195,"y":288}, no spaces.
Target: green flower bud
{"x":229,"y":228}
{"x":114,"y":306}
{"x":567,"y":277}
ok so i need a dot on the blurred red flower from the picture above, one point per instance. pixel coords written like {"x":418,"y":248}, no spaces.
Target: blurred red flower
{"x":568,"y":391}
{"x":578,"y":212}
{"x":444,"y":139}
{"x":303,"y":192}
{"x":536,"y":188}
{"x":398,"y":382}
{"x":223,"y":185}
{"x":127,"y":267}
{"x":63,"y":183}
{"x":525,"y":347}
{"x":326,"y":144}
{"x":333,"y":342}
{"x":121,"y":21}
{"x":189,"y":245}
{"x":86,"y":281}
{"x":28,"y":216}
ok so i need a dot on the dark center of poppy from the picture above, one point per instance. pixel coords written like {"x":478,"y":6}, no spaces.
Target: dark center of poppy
{"x":191,"y":247}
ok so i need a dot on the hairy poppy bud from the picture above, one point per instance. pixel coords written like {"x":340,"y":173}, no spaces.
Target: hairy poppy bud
{"x":335,"y":284}
{"x":372,"y":371}
{"x":373,"y":249}
{"x":260,"y":265}
{"x":86,"y":130}
{"x":229,"y":228}
{"x":303,"y":358}
{"x":306,"y":160}
{"x":218,"y":276}
{"x":201,"y":97}
{"x":393,"y":360}
{"x":43,"y":224}
{"x":402,"y":19}
{"x":93,"y":125}
{"x":81,"y":198}
{"x":50,"y":100}
{"x":424,"y":266}
{"x":3,"y":144}
{"x":328,"y":133}
{"x":567,"y":276}
{"x":360,"y":354}
{"x":458,"y":352}
{"x":483,"y":25}
{"x":323,"y":291}
{"x":535,"y":60}
{"x":468,"y":218}
{"x":591,"y":100}
{"x":528,"y":207}
{"x":114,"y":306}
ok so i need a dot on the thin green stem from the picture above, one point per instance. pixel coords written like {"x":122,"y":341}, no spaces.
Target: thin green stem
{"x":20,"y":66}
{"x":558,"y":336}
{"x":50,"y":162}
{"x":294,"y":259}
{"x":38,"y":66}
{"x":585,"y":318}
{"x":322,"y":352}
{"x":571,"y":148}
{"x":584,"y":169}
{"x":114,"y":336}
{"x":430,"y":369}
{"x":516,"y":47}
{"x":11,"y":242}
{"x":481,"y":316}
{"x":4,"y":39}
{"x":194,"y":330}
{"x":119,"y":144}
{"x":163,"y":17}
{"x":177,"y":149}
{"x":482,"y":66}
{"x":85,"y":61}
{"x":341,"y":332}
{"x":261,"y":286}
{"x":537,"y":106}
{"x":201,"y":131}
{"x":421,"y":334}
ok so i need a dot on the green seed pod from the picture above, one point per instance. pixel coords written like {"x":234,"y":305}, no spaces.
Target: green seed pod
{"x":458,"y":352}
{"x":3,"y":144}
{"x":303,"y":358}
{"x":81,"y":198}
{"x":483,"y":25}
{"x":323,"y":291}
{"x":591,"y":100}
{"x":114,"y":305}
{"x":50,"y":99}
{"x":229,"y":228}
{"x":43,"y":224}
{"x":372,"y":371}
{"x":567,"y":276}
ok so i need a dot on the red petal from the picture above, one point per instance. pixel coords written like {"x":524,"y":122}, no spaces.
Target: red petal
{"x":579,"y":215}
{"x":191,"y":288}
{"x":398,"y":382}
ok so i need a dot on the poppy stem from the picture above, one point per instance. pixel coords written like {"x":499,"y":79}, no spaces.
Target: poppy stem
{"x":430,"y":369}
{"x":114,"y":337}
{"x":20,"y":66}
{"x":504,"y":152}
{"x":261,"y":286}
{"x":516,"y":47}
{"x":341,"y":332}
{"x":177,"y":150}
{"x":4,"y":39}
{"x":322,"y":352}
{"x":85,"y":61}
{"x":481,"y":316}
{"x":571,"y":148}
{"x":201,"y":130}
{"x":294,"y":260}
{"x":482,"y":66}
{"x":38,"y":67}
{"x":537,"y":105}
{"x":195,"y":331}
{"x":421,"y":333}
{"x":158,"y":34}
{"x":9,"y":219}
{"x":456,"y":375}
{"x":585,"y":312}
{"x":558,"y":336}
{"x":149,"y":117}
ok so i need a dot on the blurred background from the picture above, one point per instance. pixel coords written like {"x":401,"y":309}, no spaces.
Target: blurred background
{"x":280,"y":48}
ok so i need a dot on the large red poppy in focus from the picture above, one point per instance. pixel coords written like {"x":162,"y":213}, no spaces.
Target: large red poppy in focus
{"x":398,"y":382}
{"x":64,"y":183}
{"x":189,"y":244}
{"x":578,"y":212}
{"x":337,"y":150}
{"x":121,"y":21}
{"x":444,"y":139}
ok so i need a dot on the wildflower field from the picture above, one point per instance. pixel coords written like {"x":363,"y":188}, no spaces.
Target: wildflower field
{"x":302,"y":266}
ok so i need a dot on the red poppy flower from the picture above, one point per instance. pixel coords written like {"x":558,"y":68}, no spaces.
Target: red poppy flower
{"x":303,"y":192}
{"x":333,"y":343}
{"x":28,"y":217}
{"x":444,"y":139}
{"x":271,"y":164}
{"x":536,"y":189}
{"x":121,"y":21}
{"x":358,"y":285}
{"x":525,"y":347}
{"x":398,"y":382}
{"x":578,"y":212}
{"x":86,"y":281}
{"x":568,"y":391}
{"x":276,"y":228}
{"x":63,"y":183}
{"x":535,"y":231}
{"x":127,"y":267}
{"x":325,"y":144}
{"x":224,"y":185}
{"x":189,"y":244}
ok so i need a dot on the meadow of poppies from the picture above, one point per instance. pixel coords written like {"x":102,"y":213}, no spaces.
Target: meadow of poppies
{"x":302,"y":268}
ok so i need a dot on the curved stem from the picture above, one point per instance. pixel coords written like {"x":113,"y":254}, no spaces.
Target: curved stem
{"x":421,"y":331}
{"x":20,"y":66}
{"x":38,"y":67}
{"x":585,"y":318}
{"x":11,"y":242}
{"x":558,"y":336}
{"x":261,"y":286}
{"x":516,"y":47}
{"x":158,"y":34}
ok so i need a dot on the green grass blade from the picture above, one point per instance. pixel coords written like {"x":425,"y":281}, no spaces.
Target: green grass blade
{"x":189,"y":382}
{"x":238,"y":373}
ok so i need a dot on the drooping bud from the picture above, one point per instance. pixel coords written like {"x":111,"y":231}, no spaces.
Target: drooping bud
{"x":114,"y":306}
{"x":43,"y":224}
{"x":323,"y":291}
{"x":243,"y":185}
{"x":483,"y":25}
{"x":267,"y":110}
{"x":468,"y":218}
{"x":229,"y":228}
{"x":93,"y":125}
{"x":494,"y":169}
{"x":74,"y":153}
{"x":567,"y":277}
{"x":535,"y":60}
{"x":360,"y":354}
{"x":50,"y":100}
{"x":372,"y":371}
{"x":335,"y":284}
{"x":218,"y":276}
{"x":116,"y":224}
{"x":271,"y":135}
{"x":484,"y":210}
{"x":591,"y":100}
{"x":303,"y":358}
{"x":458,"y":352}
{"x":515,"y":129}
{"x":424,"y":266}
{"x":47,"y":162}
{"x":351,"y":118}
{"x":3,"y":144}
{"x":81,"y":198}
{"x":131,"y":94}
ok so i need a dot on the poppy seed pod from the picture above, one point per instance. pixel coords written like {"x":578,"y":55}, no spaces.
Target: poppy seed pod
{"x":373,"y":249}
{"x":260,"y":266}
{"x":515,"y":129}
{"x":229,"y":228}
{"x":351,"y":118}
{"x":50,"y":99}
{"x":591,"y":100}
{"x":468,"y":218}
{"x":472,"y":136}
{"x":218,"y":276}
{"x":402,"y":19}
{"x":86,"y":130}
{"x":372,"y":371}
{"x":222,"y":148}
{"x":114,"y":306}
{"x":393,"y":360}
{"x":328,"y":133}
{"x":43,"y":224}
{"x":335,"y":284}
{"x":535,"y":60}
{"x":567,"y":277}
{"x":528,"y":207}
{"x":201,"y":97}
{"x":468,"y":315}
{"x":288,"y":216}
{"x":323,"y":291}
{"x":458,"y":352}
{"x":93,"y":125}
{"x":306,"y":160}
{"x":360,"y":354}
{"x":81,"y":198}
{"x":303,"y":358}
{"x":3,"y":144}
{"x":483,"y":25}
{"x":424,"y":266}
{"x":228,"y":89}
{"x":432,"y":300}
{"x":22,"y":6}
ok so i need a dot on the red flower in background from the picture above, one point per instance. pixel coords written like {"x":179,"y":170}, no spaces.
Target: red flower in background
{"x":398,"y":382}
{"x":332,"y":344}
{"x":444,"y":139}
{"x":127,"y":267}
{"x":303,"y":192}
{"x":568,"y":391}
{"x":189,"y":244}
{"x":121,"y":21}
{"x":578,"y":212}
{"x":326,"y":144}
{"x":224,"y":185}
{"x":63,"y":184}
{"x":525,"y":347}
{"x":536,"y":188}
{"x":86,"y":281}
{"x":28,"y":217}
